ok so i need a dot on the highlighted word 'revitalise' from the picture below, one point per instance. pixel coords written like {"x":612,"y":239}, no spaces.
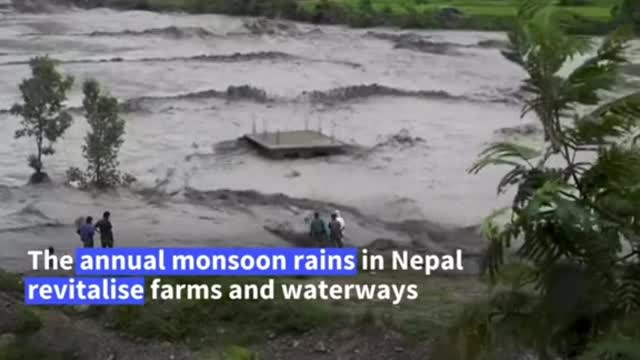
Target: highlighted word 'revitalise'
{"x":216,"y":261}
{"x":80,"y":291}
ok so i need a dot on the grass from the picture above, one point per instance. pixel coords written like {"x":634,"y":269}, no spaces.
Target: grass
{"x":10,"y":282}
{"x":598,"y":10}
{"x":220,"y":321}
{"x":25,"y":350}
{"x":226,"y":322}
{"x":440,"y":299}
{"x":25,"y":322}
{"x":238,"y":325}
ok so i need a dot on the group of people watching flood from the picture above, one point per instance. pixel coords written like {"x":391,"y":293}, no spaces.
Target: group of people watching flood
{"x":324,"y":234}
{"x":327,"y":234}
{"x":87,"y":230}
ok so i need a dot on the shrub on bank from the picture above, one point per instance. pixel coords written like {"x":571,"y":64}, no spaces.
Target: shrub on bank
{"x":10,"y":282}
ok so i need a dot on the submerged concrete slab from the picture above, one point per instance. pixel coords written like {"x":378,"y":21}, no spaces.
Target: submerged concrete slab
{"x":299,"y":143}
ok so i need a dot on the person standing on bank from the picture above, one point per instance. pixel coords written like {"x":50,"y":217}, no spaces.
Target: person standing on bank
{"x":335,"y":231}
{"x":318,"y":230}
{"x":106,"y":230}
{"x":86,"y":231}
{"x":340,"y":220}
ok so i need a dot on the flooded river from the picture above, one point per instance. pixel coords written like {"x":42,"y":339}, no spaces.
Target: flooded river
{"x":420,"y":105}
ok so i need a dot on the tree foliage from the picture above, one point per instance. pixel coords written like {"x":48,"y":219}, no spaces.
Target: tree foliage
{"x":571,"y":244}
{"x":105,"y":137}
{"x":627,"y":12}
{"x":44,"y":117}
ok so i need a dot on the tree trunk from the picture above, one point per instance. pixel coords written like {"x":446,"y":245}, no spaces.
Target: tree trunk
{"x":98,"y":175}
{"x":38,"y":165}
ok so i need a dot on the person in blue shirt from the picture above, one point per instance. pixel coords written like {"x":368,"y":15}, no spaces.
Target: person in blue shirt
{"x":86,"y":232}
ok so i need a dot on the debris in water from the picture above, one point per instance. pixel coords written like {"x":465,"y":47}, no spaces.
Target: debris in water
{"x":522,"y":130}
{"x":438,"y":48}
{"x":264,"y":26}
{"x":401,"y":139}
{"x":295,"y":144}
{"x":293,"y":174}
{"x":419,"y":43}
{"x":383,"y":245}
{"x":493,"y":44}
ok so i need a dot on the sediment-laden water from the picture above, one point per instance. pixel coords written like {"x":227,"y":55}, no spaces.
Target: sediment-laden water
{"x":418,"y":105}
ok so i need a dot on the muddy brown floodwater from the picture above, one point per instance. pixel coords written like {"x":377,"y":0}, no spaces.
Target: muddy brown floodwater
{"x":418,"y":106}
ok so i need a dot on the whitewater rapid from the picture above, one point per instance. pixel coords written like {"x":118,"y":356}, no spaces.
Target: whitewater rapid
{"x":173,"y":72}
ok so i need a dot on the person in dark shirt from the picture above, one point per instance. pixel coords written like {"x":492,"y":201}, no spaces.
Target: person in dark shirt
{"x":106,"y":230}
{"x":318,"y":230}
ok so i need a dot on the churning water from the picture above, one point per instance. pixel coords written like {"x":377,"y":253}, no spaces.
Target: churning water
{"x":421,"y":105}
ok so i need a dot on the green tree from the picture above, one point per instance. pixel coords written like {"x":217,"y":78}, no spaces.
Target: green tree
{"x":627,"y":12}
{"x":105,"y":137}
{"x":365,"y":6}
{"x":565,"y":263}
{"x":43,"y":114}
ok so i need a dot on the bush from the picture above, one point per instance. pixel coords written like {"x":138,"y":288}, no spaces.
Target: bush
{"x":76,"y":177}
{"x":27,"y":322}
{"x":289,"y":9}
{"x":330,"y":12}
{"x":22,"y":349}
{"x":10,"y":282}
{"x":127,"y":180}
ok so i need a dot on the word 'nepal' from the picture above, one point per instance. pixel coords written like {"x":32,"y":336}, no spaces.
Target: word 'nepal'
{"x":403,"y":261}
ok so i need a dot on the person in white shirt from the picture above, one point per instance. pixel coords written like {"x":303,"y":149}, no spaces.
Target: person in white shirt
{"x":339,"y":218}
{"x":335,"y":231}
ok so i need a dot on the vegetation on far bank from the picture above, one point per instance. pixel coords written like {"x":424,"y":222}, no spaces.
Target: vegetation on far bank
{"x":590,"y":16}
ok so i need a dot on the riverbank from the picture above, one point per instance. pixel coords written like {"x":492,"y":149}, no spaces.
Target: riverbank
{"x":240,"y":330}
{"x":591,"y":17}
